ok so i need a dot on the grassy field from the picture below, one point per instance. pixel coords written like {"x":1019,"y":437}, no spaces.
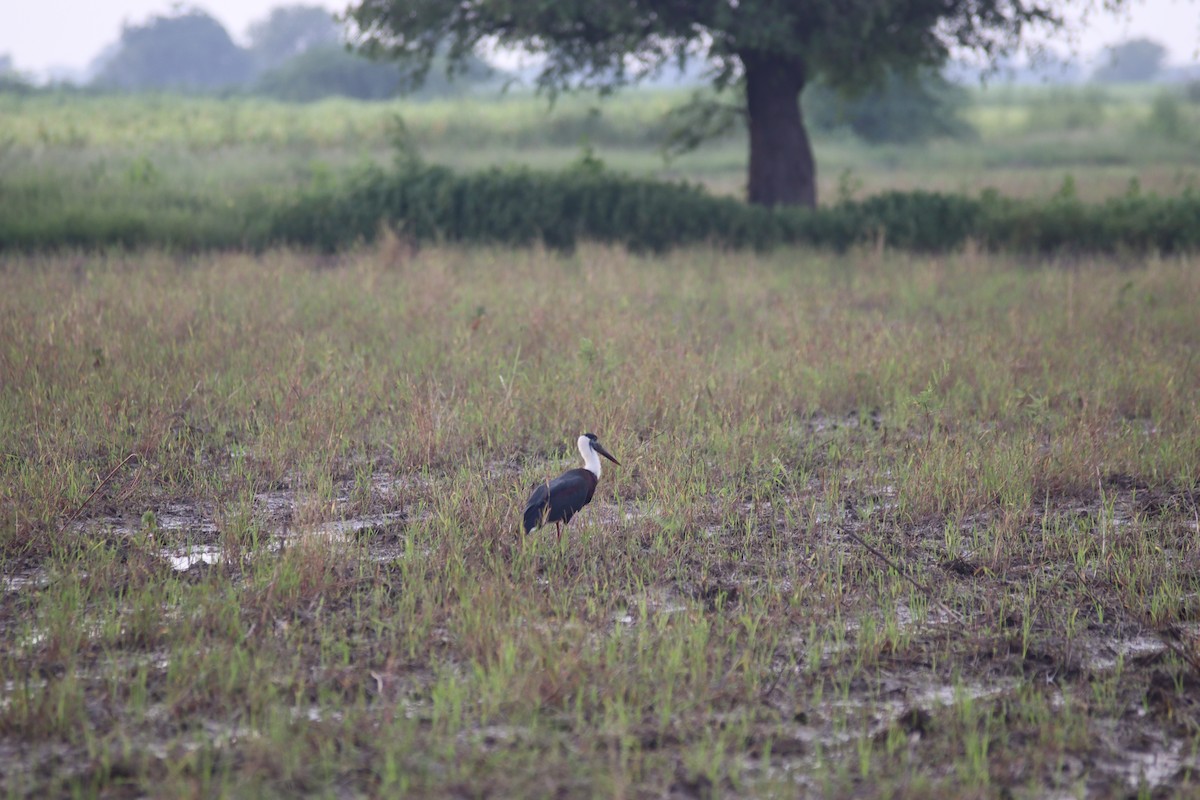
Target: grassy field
{"x":208,"y":163}
{"x":884,"y":526}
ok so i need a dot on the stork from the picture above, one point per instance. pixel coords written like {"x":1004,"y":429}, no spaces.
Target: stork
{"x":560,"y":499}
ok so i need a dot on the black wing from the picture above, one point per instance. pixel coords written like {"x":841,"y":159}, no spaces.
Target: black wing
{"x":536,"y":508}
{"x":566,"y":495}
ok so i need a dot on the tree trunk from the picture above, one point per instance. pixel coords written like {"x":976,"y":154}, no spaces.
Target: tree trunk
{"x":782,"y":170}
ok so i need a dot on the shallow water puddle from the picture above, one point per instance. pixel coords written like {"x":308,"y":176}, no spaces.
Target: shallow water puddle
{"x":184,"y":558}
{"x":908,"y":619}
{"x":616,"y":515}
{"x":1149,"y":770}
{"x":949,"y":695}
{"x":347,"y":529}
{"x":273,"y":512}
{"x":181,"y":517}
{"x":655,"y":601}
{"x":33,"y":579}
{"x":1107,"y":655}
{"x":316,"y":714}
{"x":905,"y":696}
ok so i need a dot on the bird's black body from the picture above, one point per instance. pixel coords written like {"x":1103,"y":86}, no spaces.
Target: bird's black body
{"x":560,"y":499}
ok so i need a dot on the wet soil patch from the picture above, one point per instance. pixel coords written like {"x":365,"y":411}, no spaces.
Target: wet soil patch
{"x":884,"y":642}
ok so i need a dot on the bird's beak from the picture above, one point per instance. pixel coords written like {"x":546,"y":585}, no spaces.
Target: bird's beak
{"x":599,"y":448}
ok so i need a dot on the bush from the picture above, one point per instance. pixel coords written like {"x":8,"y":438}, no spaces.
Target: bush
{"x":329,"y":72}
{"x":1134,"y":222}
{"x":187,"y":49}
{"x":903,"y":109}
{"x":521,"y":207}
{"x":1167,"y":117}
{"x":559,"y":209}
{"x":1066,"y":109}
{"x":1132,"y":61}
{"x":332,"y":71}
{"x":12,"y":83}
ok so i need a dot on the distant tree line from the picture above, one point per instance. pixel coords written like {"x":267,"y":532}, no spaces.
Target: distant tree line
{"x":903,"y":108}
{"x":296,"y":53}
{"x":1132,"y":61}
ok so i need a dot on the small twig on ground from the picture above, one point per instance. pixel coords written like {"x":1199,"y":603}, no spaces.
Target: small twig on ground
{"x":1166,"y":636}
{"x":145,"y":447}
{"x":96,"y":491}
{"x":902,"y":573}
{"x":1092,"y":595}
{"x":1179,"y":651}
{"x":779,"y":673}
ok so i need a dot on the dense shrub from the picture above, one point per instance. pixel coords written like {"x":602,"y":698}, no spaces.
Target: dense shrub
{"x":1064,"y":109}
{"x":186,"y":49}
{"x":1131,"y":61}
{"x":903,"y":109}
{"x":332,"y":71}
{"x":521,"y":206}
{"x":1133,"y":222}
{"x":14,"y":83}
{"x":329,"y":72}
{"x":1168,"y":119}
{"x":587,"y":203}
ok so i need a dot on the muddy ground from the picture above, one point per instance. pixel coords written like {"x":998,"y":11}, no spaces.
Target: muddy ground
{"x":1122,"y":691}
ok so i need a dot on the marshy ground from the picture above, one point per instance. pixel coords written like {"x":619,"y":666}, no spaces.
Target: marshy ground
{"x":886,"y":525}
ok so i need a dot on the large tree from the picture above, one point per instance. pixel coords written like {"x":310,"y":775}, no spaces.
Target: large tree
{"x":772,"y":47}
{"x":1131,"y":62}
{"x":188,"y":49}
{"x":289,"y":31}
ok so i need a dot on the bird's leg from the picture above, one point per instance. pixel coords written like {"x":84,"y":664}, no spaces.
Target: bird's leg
{"x":558,"y":527}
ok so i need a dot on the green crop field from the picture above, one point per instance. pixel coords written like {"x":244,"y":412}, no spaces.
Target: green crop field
{"x":207,"y":164}
{"x":884,"y":525}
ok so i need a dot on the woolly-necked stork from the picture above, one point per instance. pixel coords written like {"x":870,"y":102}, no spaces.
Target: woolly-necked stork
{"x":560,"y":499}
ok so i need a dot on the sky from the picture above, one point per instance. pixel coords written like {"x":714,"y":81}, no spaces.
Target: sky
{"x":55,"y":34}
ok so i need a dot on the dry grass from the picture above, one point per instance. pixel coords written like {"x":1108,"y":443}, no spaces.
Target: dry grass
{"x":885,"y":525}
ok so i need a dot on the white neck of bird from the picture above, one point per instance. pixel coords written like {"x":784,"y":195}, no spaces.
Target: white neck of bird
{"x":591,"y":461}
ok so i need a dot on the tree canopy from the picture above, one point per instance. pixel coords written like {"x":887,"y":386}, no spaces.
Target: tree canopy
{"x":289,"y":31}
{"x":330,"y":71}
{"x":901,"y":109}
{"x":189,"y":50}
{"x":295,"y":53}
{"x":771,"y":47}
{"x":1132,"y":61}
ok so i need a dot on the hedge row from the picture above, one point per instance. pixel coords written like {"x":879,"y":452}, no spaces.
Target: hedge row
{"x":520,"y":207}
{"x":559,"y":209}
{"x":587,"y":203}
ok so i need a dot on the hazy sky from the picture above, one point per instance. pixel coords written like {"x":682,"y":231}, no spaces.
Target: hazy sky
{"x":68,"y":33}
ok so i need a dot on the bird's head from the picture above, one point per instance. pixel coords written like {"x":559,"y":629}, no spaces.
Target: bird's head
{"x":589,"y":441}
